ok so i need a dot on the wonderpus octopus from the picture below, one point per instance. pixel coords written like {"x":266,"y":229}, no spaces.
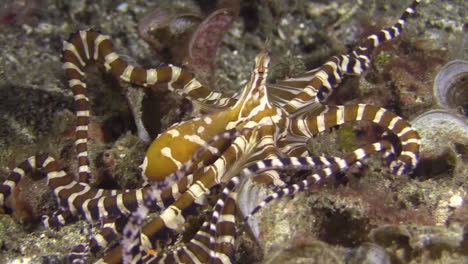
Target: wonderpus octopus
{"x":262,"y":132}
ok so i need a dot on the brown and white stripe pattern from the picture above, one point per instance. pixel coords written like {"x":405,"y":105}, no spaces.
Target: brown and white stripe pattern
{"x":77,"y":198}
{"x":55,"y":177}
{"x":311,"y":125}
{"x":91,"y":46}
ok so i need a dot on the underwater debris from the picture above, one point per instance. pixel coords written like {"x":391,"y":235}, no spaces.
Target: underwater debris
{"x":443,"y":134}
{"x":205,"y":42}
{"x":170,"y":29}
{"x":419,"y":244}
{"x":249,"y":196}
{"x":439,"y":130}
{"x":19,"y":11}
{"x":451,"y":86}
{"x":369,"y":253}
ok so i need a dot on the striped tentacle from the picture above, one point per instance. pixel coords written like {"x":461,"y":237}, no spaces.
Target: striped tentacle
{"x":214,"y":242}
{"x":132,"y":250}
{"x":364,"y":51}
{"x":78,"y":198}
{"x":122,"y":204}
{"x":69,"y":193}
{"x":296,"y":163}
{"x":134,"y":247}
{"x":335,"y":166}
{"x":283,"y":91}
{"x":407,"y":159}
{"x":225,"y":232}
{"x":74,"y":65}
{"x":327,"y":77}
{"x":195,"y":251}
{"x":90,"y":45}
{"x":107,"y":233}
{"x":61,"y":183}
{"x":96,"y":204}
{"x":319,"y":86}
{"x":222,"y":229}
{"x":268,"y":134}
{"x":55,"y":178}
{"x":104,"y":207}
{"x":207,"y":246}
{"x":359,"y":60}
{"x":15,"y":177}
{"x":59,"y":218}
{"x":294,"y":145}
